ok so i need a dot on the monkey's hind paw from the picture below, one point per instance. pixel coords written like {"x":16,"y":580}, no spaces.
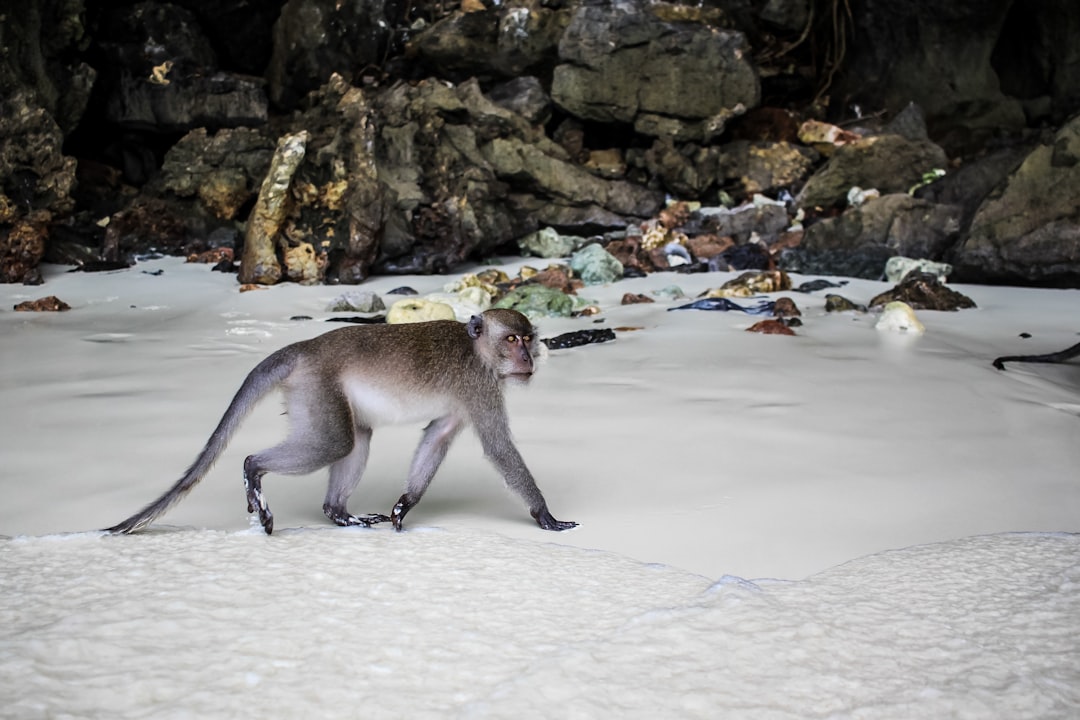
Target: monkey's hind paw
{"x":341,"y":517}
{"x":547,"y":522}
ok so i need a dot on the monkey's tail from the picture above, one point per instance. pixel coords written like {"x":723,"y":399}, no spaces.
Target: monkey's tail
{"x":265,"y":377}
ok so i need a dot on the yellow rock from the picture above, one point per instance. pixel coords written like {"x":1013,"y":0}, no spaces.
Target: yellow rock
{"x":412,"y":310}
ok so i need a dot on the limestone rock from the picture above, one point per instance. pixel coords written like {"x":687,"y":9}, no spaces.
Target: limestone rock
{"x":260,"y":262}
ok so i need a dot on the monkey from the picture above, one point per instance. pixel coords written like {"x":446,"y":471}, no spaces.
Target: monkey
{"x":340,"y":385}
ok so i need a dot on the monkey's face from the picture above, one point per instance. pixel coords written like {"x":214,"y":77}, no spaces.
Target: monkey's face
{"x":507,"y":342}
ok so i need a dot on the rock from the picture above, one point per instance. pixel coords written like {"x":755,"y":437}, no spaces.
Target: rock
{"x":216,"y":100}
{"x":705,"y":247}
{"x":635,"y":299}
{"x":923,"y":291}
{"x":899,"y":317}
{"x":537,"y":301}
{"x":260,"y":263}
{"x":342,"y":204}
{"x":814,"y":285}
{"x":595,"y":265}
{"x":548,"y":243}
{"x":768,"y":221}
{"x":890,"y":163}
{"x":362,"y":301}
{"x":414,"y":310}
{"x":465,"y":302}
{"x":670,"y":292}
{"x":1028,"y":230}
{"x":22,"y":245}
{"x":223,"y":170}
{"x":749,"y":256}
{"x":624,"y":63}
{"x":839,"y":303}
{"x":314,"y":38}
{"x":557,"y":277}
{"x":898,"y":267}
{"x":50,"y":303}
{"x":525,"y":96}
{"x":785,"y":307}
{"x":859,"y":242}
{"x":950,"y":66}
{"x":771,"y":166}
{"x":770,"y":327}
{"x":214,"y":256}
{"x":303,"y":265}
{"x":752,"y":283}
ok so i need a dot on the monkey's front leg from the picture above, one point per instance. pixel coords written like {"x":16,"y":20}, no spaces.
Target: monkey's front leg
{"x":544,"y":519}
{"x":255,"y":499}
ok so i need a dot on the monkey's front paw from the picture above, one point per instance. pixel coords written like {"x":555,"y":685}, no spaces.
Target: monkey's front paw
{"x":547,"y":522}
{"x":398,"y":513}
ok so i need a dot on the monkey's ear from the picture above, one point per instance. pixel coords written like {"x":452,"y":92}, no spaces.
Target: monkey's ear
{"x":475,"y":326}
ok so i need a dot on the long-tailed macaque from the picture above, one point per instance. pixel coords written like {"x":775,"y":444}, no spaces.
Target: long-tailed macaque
{"x":340,"y":385}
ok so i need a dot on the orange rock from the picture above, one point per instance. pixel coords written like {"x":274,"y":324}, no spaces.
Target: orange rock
{"x":770,"y":327}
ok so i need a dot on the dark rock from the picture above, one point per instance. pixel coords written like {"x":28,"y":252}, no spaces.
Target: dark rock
{"x":785,"y":307}
{"x":888,"y":163}
{"x":635,"y":299}
{"x":880,"y":228}
{"x":1028,"y":229}
{"x":938,"y":56}
{"x":503,"y":40}
{"x":839,"y":303}
{"x":314,"y":39}
{"x":923,"y":291}
{"x":579,"y":337}
{"x":768,"y":221}
{"x":524,"y":96}
{"x":750,"y":256}
{"x":624,"y":63}
{"x":814,"y":285}
{"x":160,"y":73}
{"x":360,"y":320}
{"x":865,"y":261}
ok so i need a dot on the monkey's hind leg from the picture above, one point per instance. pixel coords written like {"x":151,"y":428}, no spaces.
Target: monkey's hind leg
{"x":320,"y":434}
{"x":426,"y":460}
{"x":255,"y":499}
{"x":345,"y":474}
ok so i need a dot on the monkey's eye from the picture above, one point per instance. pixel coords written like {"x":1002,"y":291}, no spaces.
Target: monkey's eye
{"x":526,"y":338}
{"x":511,"y":339}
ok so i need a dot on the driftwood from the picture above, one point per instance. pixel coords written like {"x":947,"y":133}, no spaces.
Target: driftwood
{"x":1057,"y":357}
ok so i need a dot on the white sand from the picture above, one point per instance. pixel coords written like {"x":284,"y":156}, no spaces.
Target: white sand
{"x":690,"y":443}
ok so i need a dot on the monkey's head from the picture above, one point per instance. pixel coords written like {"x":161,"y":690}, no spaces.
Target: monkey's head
{"x":506,"y":342}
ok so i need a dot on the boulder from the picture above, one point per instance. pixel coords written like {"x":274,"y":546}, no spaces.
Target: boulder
{"x":861,"y":240}
{"x":888,"y":163}
{"x":622,"y":62}
{"x":1028,"y":230}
